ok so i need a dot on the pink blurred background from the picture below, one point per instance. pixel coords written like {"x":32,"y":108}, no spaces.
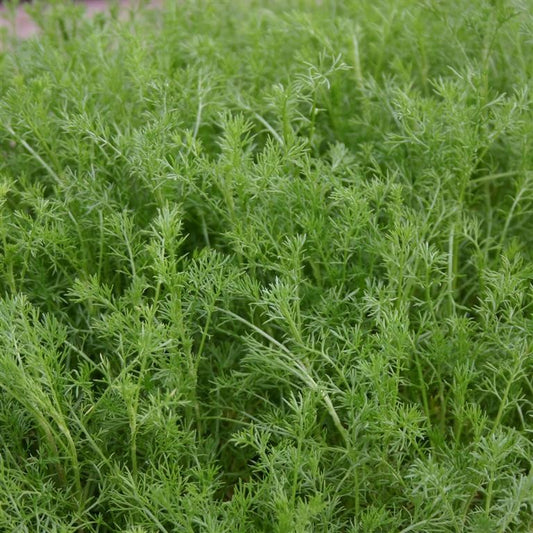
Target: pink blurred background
{"x":24,"y":26}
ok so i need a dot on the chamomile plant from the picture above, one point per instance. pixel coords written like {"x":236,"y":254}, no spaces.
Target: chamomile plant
{"x":267,"y":267}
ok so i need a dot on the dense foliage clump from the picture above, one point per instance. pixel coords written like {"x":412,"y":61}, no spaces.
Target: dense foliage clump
{"x":267,"y":266}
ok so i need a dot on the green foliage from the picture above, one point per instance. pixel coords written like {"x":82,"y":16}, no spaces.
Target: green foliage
{"x":268,"y":267}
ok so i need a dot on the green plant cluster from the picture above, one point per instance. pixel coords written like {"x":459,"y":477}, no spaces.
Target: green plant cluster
{"x":267,"y":266}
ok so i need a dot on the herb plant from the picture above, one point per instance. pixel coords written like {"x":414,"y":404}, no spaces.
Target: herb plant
{"x":267,"y":266}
